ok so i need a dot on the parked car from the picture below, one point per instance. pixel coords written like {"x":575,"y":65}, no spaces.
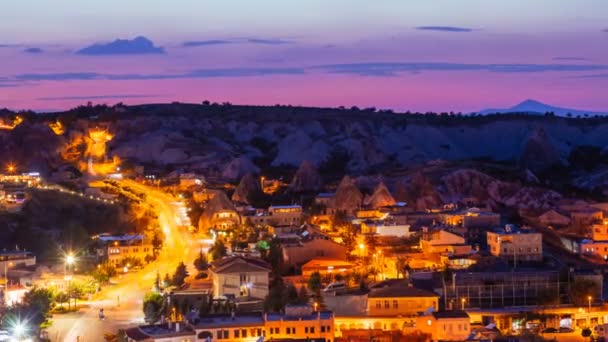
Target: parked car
{"x":335,"y":288}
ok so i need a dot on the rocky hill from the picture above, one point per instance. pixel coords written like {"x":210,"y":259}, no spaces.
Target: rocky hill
{"x":231,"y":141}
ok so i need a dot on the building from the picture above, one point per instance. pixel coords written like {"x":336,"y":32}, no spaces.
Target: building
{"x":304,"y":250}
{"x":220,"y":214}
{"x":471,"y":218}
{"x":168,"y":332}
{"x":587,"y":215}
{"x":116,"y":248}
{"x":397,"y":297}
{"x":382,"y":228}
{"x":515,"y":244}
{"x":13,"y":259}
{"x":240,"y":276}
{"x":446,"y":325}
{"x":284,"y":215}
{"x":554,"y":218}
{"x":297,"y":323}
{"x":503,"y":287}
{"x":326,"y":266}
{"x":443,"y":242}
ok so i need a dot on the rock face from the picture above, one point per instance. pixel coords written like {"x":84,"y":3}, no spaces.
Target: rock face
{"x":307,"y":178}
{"x":423,"y":191}
{"x":238,"y":168}
{"x":248,"y":189}
{"x":348,"y":197}
{"x":381,"y":197}
{"x":231,"y":141}
{"x":538,"y":152}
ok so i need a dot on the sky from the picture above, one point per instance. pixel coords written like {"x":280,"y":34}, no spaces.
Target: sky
{"x":432,"y":55}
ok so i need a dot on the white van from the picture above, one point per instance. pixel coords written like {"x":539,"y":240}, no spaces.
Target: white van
{"x":337,"y":287}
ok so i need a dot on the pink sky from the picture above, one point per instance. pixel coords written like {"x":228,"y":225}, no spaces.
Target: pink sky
{"x":312,"y":56}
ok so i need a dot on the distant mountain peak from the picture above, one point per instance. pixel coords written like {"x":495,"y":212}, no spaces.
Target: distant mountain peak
{"x":532,"y":106}
{"x":530,"y":102}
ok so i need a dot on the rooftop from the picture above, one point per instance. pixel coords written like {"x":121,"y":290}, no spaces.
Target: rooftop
{"x":398,"y":288}
{"x":144,"y":332}
{"x":239,"y":320}
{"x":450,"y":314}
{"x":510,"y":229}
{"x":240,"y":263}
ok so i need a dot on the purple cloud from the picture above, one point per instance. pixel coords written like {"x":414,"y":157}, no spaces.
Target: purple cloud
{"x":570,"y":59}
{"x":196,"y":43}
{"x":98,"y":97}
{"x":138,"y":46}
{"x":33,"y":50}
{"x":444,"y":28}
{"x":393,"y":69}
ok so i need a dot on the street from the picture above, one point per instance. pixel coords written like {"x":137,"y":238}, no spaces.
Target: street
{"x":122,"y":302}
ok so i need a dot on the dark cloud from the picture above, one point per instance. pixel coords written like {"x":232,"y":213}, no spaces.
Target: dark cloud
{"x":137,"y":46}
{"x":200,"y":73}
{"x":393,"y":69}
{"x":260,"y":41}
{"x":591,"y":76}
{"x":196,"y":43}
{"x":33,"y":50}
{"x":570,"y":59}
{"x":98,"y":97}
{"x":444,"y":28}
{"x":605,"y":30}
{"x":64,"y":76}
{"x":266,"y":41}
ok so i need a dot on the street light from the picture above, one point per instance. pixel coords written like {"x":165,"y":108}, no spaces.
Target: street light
{"x":589,"y":311}
{"x":315,"y":305}
{"x":463,"y":301}
{"x":18,"y":329}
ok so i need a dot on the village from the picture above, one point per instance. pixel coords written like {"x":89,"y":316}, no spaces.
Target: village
{"x":348,"y":264}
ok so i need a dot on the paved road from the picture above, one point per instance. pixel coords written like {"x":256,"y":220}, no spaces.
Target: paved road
{"x":122,"y":302}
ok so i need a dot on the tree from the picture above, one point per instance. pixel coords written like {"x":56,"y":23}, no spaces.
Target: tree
{"x":581,"y":289}
{"x":303,"y":297}
{"x":275,"y":256}
{"x":61,"y":297}
{"x":130,"y":261}
{"x":181,"y":273}
{"x":104,"y":272}
{"x":157,"y":286}
{"x":201,"y":263}
{"x":152,"y":307}
{"x":276,"y":299}
{"x":166,"y":280}
{"x":292,"y":294}
{"x":314,"y":282}
{"x":218,"y":250}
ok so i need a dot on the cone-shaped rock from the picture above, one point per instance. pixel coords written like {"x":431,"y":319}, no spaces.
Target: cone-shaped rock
{"x":219,"y":203}
{"x":248,"y":189}
{"x":348,"y":197}
{"x":381,"y":197}
{"x":307,"y":178}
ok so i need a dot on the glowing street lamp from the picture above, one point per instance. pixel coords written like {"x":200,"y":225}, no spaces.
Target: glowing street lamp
{"x":463,"y":301}
{"x":315,"y":305}
{"x":18,"y":330}
{"x":70,"y":259}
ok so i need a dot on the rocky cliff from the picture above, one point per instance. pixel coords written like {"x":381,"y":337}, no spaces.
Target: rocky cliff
{"x":231,"y":141}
